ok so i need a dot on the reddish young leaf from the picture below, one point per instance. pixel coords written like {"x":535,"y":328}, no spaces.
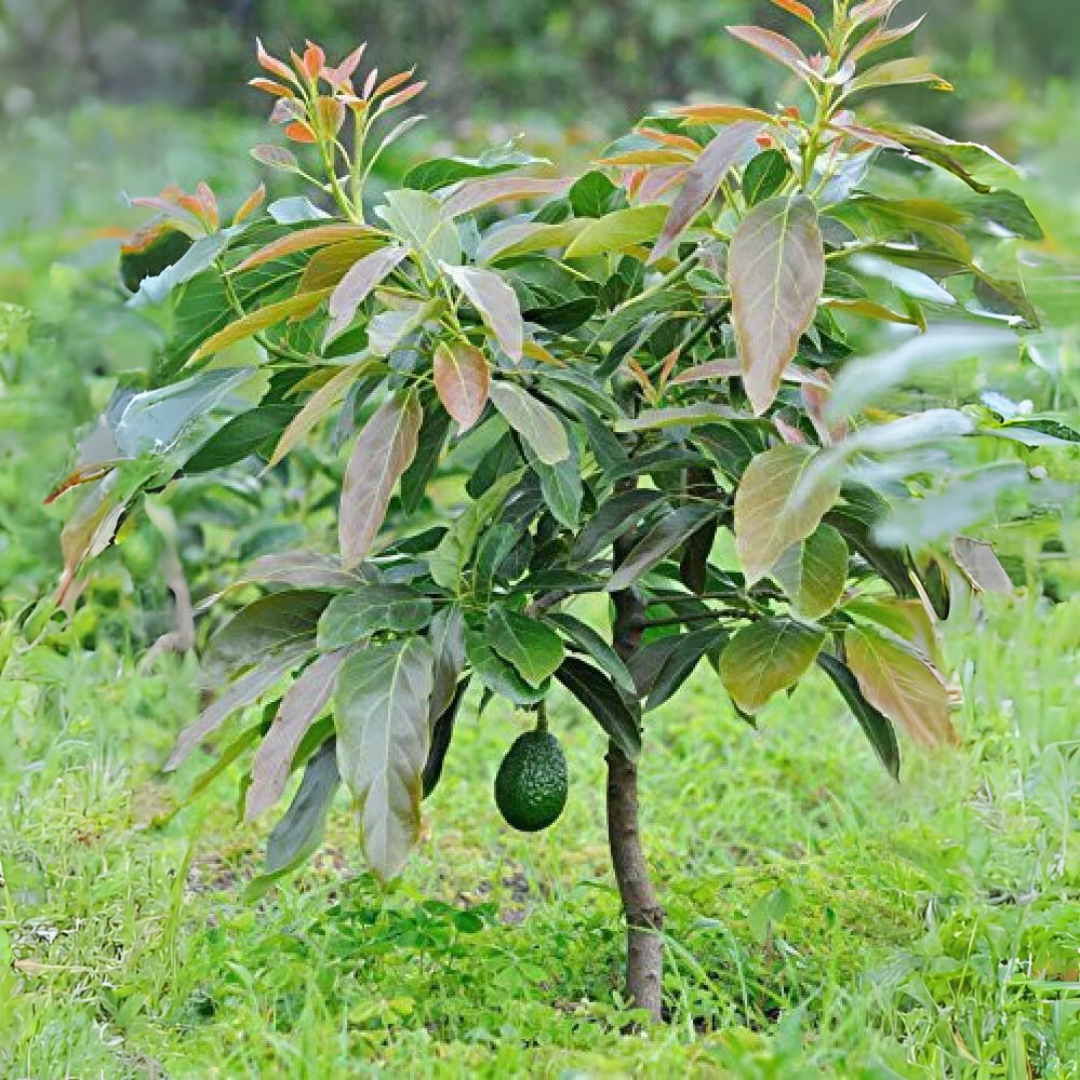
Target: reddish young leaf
{"x":392,"y":83}
{"x":384,"y":449}
{"x":472,"y":196}
{"x":275,"y":157}
{"x":719,"y":113}
{"x":272,"y":63}
{"x":781,"y":49}
{"x":300,"y":131}
{"x":871,"y":9}
{"x":462,"y":380}
{"x":338,"y":76}
{"x":701,"y":182}
{"x":286,"y":110}
{"x":314,"y":60}
{"x":271,"y":87}
{"x":496,"y":302}
{"x":250,"y":204}
{"x":879,"y":38}
{"x":649,"y":157}
{"x":800,"y":11}
{"x":666,"y":138}
{"x":402,"y":96}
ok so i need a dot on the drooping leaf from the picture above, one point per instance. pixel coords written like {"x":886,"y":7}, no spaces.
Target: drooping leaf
{"x":901,"y":685}
{"x":447,"y":636}
{"x":660,"y":541}
{"x":496,"y":302}
{"x":442,"y":732}
{"x":599,"y":696}
{"x":591,"y":641}
{"x":498,"y":675}
{"x":461,"y":380}
{"x":765,"y":657}
{"x":298,"y":834}
{"x":300,"y":708}
{"x":382,"y":452}
{"x":776,"y":267}
{"x":702,"y":181}
{"x":538,"y":425}
{"x":779,"y":503}
{"x":877,"y":728}
{"x":415,"y":479}
{"x":680,"y":661}
{"x":980,"y":565}
{"x":534,"y":649}
{"x":812,"y":572}
{"x":611,"y":520}
{"x":383,"y":734}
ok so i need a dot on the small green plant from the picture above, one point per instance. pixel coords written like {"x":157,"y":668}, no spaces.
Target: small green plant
{"x":594,"y":442}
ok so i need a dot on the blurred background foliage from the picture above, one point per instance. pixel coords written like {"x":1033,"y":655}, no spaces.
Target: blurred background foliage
{"x":105,"y":97}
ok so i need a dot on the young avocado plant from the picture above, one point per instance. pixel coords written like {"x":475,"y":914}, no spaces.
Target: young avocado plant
{"x":653,"y":355}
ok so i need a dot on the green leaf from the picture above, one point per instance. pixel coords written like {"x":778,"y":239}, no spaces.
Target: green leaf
{"x":447,"y":636}
{"x":812,"y":572}
{"x":779,"y":503}
{"x":681,"y":416}
{"x":538,"y":425}
{"x":659,"y":542}
{"x":240,"y":437}
{"x":297,"y":836}
{"x":444,"y":171}
{"x":561,"y":485}
{"x":594,"y":644}
{"x":679,"y":663}
{"x":764,"y":176}
{"x":877,"y":728}
{"x":903,"y":72}
{"x":448,"y":561}
{"x":618,"y":231}
{"x":420,"y":221}
{"x":900,"y":684}
{"x":498,"y":675}
{"x":383,"y":734}
{"x":265,"y":625}
{"x":382,"y":452}
{"x":295,"y":307}
{"x":766,"y":657}
{"x":776,"y":267}
{"x":369,"y":609}
{"x":702,"y":180}
{"x":430,"y":442}
{"x":591,"y":194}
{"x":612,"y":519}
{"x":534,"y":649}
{"x":599,"y":696}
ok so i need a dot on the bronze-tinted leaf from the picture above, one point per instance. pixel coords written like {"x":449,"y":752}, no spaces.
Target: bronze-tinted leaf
{"x":357,"y":284}
{"x":383,"y":735}
{"x":980,"y":565}
{"x":462,"y":380}
{"x":900,"y":684}
{"x":478,"y":193}
{"x":779,"y":502}
{"x":304,"y":240}
{"x":383,"y":451}
{"x":496,"y":302}
{"x":774,"y":45}
{"x":300,"y":707}
{"x":702,"y":180}
{"x":776,"y":267}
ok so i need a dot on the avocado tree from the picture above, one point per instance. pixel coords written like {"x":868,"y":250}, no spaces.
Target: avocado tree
{"x":596,"y":430}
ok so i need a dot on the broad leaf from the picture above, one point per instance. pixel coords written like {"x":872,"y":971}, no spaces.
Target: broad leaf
{"x":462,"y":381}
{"x":496,"y":302}
{"x":765,"y":657}
{"x":300,"y":708}
{"x":382,"y":452}
{"x":901,"y":685}
{"x":618,"y":231}
{"x":355,"y":287}
{"x":599,"y":696}
{"x":776,"y":46}
{"x":538,"y":425}
{"x":660,"y":541}
{"x":588,"y":639}
{"x":447,"y":636}
{"x":776,"y":267}
{"x":702,"y":180}
{"x":497,"y":675}
{"x":305,"y":240}
{"x":680,"y":661}
{"x":980,"y":565}
{"x":419,"y":221}
{"x":779,"y":502}
{"x":812,"y":572}
{"x":383,"y":734}
{"x":877,"y":728}
{"x":240,"y":437}
{"x":533,"y":648}
{"x":370,"y":609}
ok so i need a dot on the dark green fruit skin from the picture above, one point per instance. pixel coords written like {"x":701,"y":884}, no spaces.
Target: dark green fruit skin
{"x":149,"y":261}
{"x":531,"y":784}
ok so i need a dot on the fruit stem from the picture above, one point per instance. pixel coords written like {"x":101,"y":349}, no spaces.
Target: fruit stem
{"x":541,"y":716}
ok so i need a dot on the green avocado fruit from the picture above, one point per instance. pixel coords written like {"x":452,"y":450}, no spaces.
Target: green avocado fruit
{"x":531,"y":784}
{"x":149,"y":254}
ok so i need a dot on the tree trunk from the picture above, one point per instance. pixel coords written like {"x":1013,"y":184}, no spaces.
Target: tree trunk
{"x":644,"y":915}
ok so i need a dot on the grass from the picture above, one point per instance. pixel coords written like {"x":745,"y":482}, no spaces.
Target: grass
{"x":822,"y":919}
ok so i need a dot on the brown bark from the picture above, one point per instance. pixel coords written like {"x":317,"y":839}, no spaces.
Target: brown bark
{"x":644,"y":915}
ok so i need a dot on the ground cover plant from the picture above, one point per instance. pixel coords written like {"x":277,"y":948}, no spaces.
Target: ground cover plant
{"x":641,"y":391}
